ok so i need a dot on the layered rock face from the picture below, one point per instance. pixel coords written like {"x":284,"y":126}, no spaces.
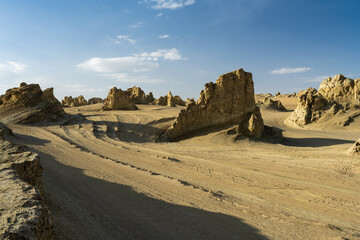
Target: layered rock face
{"x":95,"y":100}
{"x":334,"y":94}
{"x":23,"y":214}
{"x":74,"y":102}
{"x":118,"y":100}
{"x":268,"y":103}
{"x":29,"y":104}
{"x":228,"y":101}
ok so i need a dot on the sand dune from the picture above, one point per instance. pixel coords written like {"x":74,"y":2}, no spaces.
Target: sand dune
{"x":106,"y":178}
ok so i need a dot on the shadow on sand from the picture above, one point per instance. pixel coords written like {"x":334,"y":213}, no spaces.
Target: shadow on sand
{"x":314,"y":142}
{"x":84,"y":207}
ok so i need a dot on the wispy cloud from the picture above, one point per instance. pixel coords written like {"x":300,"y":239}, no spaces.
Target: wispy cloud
{"x":119,"y":39}
{"x":167,"y":54}
{"x":290,"y":70}
{"x":127,"y":78}
{"x":135,"y":63}
{"x":159,"y":14}
{"x":136,"y":25}
{"x":12,"y":67}
{"x":168,"y":4}
{"x":164,"y":36}
{"x":316,"y":79}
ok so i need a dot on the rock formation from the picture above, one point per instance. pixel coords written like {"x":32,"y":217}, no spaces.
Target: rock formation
{"x":268,"y":103}
{"x":169,"y":100}
{"x":23,"y":214}
{"x":95,"y":100}
{"x":29,"y":104}
{"x":337,"y":93}
{"x":118,"y":100}
{"x":341,"y":90}
{"x":137,"y":95}
{"x":74,"y":102}
{"x":354,"y":149}
{"x":228,"y":101}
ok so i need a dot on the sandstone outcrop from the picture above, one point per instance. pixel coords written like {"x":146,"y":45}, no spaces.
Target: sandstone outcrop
{"x":268,"y":103}
{"x":335,"y":94}
{"x":74,"y":102}
{"x":354,"y":149}
{"x":118,"y":99}
{"x":23,"y":214}
{"x":228,"y":101}
{"x":169,"y":100}
{"x":341,"y":90}
{"x":95,"y":100}
{"x":29,"y":104}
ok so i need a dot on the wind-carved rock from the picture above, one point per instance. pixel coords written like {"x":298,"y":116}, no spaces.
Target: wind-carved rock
{"x":95,"y":100}
{"x":268,"y":103}
{"x":341,"y":90}
{"x":74,"y":102}
{"x":23,"y":214}
{"x":228,"y":101}
{"x":337,"y":93}
{"x":29,"y":104}
{"x":169,"y":100}
{"x":118,"y":99}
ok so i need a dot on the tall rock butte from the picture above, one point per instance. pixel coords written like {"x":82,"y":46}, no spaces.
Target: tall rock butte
{"x":29,"y":104}
{"x":118,"y":99}
{"x":228,"y":101}
{"x":337,"y":93}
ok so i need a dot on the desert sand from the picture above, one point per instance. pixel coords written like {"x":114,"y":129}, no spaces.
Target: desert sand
{"x":106,"y":177}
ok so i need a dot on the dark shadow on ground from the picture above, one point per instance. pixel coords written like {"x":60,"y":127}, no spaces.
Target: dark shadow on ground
{"x":314,"y":142}
{"x":84,"y":207}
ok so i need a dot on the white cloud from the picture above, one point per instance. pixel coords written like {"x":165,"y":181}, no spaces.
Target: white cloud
{"x":130,"y":63}
{"x":124,"y":37}
{"x":126,"y":78}
{"x":136,"y":63}
{"x":159,"y":14}
{"x":167,"y":54}
{"x":136,"y":25}
{"x":169,"y":4}
{"x":164,"y":36}
{"x":12,"y":67}
{"x":290,"y":70}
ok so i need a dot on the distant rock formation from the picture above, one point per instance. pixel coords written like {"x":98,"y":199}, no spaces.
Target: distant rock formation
{"x":335,"y":94}
{"x":29,"y":104}
{"x":95,"y":100}
{"x":23,"y":214}
{"x":228,"y":101}
{"x":189,"y":101}
{"x":268,"y":103}
{"x":118,"y":99}
{"x":169,"y":100}
{"x":74,"y":102}
{"x":342,"y":90}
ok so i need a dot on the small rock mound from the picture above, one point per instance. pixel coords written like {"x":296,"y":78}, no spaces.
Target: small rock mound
{"x":228,"y":101}
{"x":95,"y":100}
{"x":74,"y":102}
{"x":118,"y":99}
{"x":354,"y":149}
{"x":29,"y":104}
{"x":268,"y":103}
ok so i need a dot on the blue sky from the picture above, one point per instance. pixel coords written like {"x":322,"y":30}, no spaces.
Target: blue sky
{"x":87,"y":47}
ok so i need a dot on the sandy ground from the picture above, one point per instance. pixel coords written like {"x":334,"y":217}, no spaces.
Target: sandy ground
{"x":106,"y":178}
